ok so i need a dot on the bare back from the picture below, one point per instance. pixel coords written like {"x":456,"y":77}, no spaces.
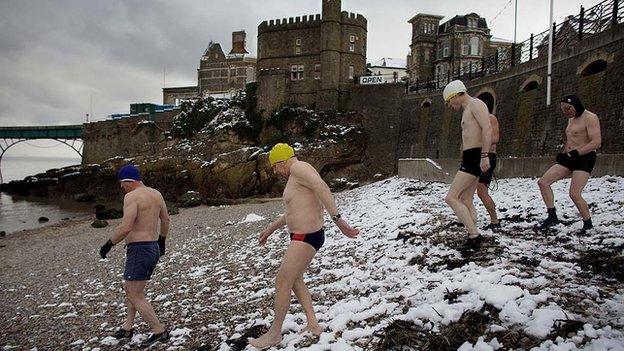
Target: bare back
{"x":148,"y":204}
{"x":304,"y":210}
{"x":472,"y":133}
{"x":578,"y":130}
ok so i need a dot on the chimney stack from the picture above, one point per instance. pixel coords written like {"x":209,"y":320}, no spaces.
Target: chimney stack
{"x":238,"y":43}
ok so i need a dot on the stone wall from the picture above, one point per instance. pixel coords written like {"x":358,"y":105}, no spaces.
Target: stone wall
{"x":419,"y":125}
{"x":125,"y":137}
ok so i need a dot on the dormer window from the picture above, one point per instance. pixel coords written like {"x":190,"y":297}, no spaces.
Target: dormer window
{"x":472,"y":22}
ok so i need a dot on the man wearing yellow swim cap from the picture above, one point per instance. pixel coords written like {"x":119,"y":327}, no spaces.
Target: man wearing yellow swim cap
{"x":476,"y":143}
{"x":305,"y":196}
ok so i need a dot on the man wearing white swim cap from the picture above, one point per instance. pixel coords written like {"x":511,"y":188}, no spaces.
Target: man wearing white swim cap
{"x":476,"y":142}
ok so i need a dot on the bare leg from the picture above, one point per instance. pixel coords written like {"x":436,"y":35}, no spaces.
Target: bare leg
{"x":135,"y":292}
{"x":462,"y":182}
{"x":303,"y":295}
{"x":296,"y":260}
{"x":553,"y":174}
{"x":579,"y":180}
{"x":467,"y":197}
{"x":490,"y":206}
{"x":130,"y":317}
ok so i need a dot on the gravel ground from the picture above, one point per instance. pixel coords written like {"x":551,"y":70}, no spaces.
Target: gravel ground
{"x":57,"y":291}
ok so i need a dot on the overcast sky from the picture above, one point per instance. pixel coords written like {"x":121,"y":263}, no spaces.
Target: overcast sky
{"x":57,"y":55}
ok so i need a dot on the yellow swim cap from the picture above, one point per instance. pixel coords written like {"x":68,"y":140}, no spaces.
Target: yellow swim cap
{"x":280,"y":152}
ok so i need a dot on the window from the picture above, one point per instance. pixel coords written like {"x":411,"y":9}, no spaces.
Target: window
{"x":446,"y":49}
{"x":296,"y":72}
{"x":474,"y":46}
{"x":472,"y":22}
{"x":317,"y":71}
{"x":465,"y":48}
{"x":352,"y":43}
{"x":351,"y":70}
{"x":426,"y":57}
{"x":428,"y":28}
{"x":298,"y":46}
{"x":594,"y":68}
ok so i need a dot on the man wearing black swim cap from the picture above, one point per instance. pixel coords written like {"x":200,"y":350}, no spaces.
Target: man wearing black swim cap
{"x":577,"y":160}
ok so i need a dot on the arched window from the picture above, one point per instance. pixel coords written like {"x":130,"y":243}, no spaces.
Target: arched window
{"x":426,"y":104}
{"x":532,"y":85}
{"x":488,"y":98}
{"x":594,"y":68}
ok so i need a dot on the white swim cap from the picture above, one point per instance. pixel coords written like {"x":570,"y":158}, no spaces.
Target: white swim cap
{"x":453,"y":88}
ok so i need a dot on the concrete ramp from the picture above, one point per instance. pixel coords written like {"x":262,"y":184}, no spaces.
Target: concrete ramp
{"x":428,"y":170}
{"x":444,"y":169}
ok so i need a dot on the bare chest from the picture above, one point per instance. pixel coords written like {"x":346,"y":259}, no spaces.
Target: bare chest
{"x":576,"y":129}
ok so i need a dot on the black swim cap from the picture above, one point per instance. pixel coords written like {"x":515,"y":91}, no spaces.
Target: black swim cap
{"x":576,"y":102}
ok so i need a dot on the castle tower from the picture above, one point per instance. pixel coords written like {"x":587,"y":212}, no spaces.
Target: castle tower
{"x":330,"y":54}
{"x":238,"y":43}
{"x":423,"y":47}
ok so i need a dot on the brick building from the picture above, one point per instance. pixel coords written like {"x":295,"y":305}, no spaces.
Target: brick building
{"x":218,"y":73}
{"x":312,"y":59}
{"x":461,"y":42}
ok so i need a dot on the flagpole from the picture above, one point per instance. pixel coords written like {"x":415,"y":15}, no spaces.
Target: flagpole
{"x":550,"y":49}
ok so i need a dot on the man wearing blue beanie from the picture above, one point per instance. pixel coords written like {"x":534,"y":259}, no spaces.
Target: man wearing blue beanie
{"x":142,"y":210}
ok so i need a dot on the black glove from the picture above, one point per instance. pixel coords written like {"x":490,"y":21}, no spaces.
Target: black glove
{"x":574,"y":154}
{"x":161,"y":244}
{"x":106,"y":248}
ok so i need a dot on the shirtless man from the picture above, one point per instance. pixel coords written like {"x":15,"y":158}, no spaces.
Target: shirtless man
{"x":578,"y":160}
{"x":476,"y":142}
{"x":486,"y":177}
{"x":143,"y":207}
{"x":304,"y":196}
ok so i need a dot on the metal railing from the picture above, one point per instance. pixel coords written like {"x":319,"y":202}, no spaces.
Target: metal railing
{"x":573,"y":29}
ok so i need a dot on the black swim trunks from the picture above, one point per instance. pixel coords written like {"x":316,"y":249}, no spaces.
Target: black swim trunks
{"x":471,"y":161}
{"x":315,"y":239}
{"x":486,"y":177}
{"x":581,"y":163}
{"x":141,"y":259}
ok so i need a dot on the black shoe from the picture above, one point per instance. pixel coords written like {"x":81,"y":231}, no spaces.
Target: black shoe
{"x":123,"y":334}
{"x":493,"y":227}
{"x":549,"y":222}
{"x":586,"y":227}
{"x":161,"y":337}
{"x":474,"y":241}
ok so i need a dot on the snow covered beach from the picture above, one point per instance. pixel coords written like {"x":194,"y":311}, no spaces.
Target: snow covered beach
{"x":539,"y":291}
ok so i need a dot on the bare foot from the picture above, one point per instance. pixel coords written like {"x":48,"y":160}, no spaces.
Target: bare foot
{"x":317,"y":330}
{"x":265,"y":341}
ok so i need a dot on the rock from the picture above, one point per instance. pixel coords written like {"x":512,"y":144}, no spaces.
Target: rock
{"x":190,"y":199}
{"x":98,"y":223}
{"x":2,"y":233}
{"x":84,"y":198}
{"x":101,"y":212}
{"x":65,"y":219}
{"x":43,"y":219}
{"x":173,"y":210}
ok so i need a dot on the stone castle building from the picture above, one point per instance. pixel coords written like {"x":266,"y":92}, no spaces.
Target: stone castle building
{"x":459,"y":43}
{"x":312,"y":59}
{"x":218,"y":73}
